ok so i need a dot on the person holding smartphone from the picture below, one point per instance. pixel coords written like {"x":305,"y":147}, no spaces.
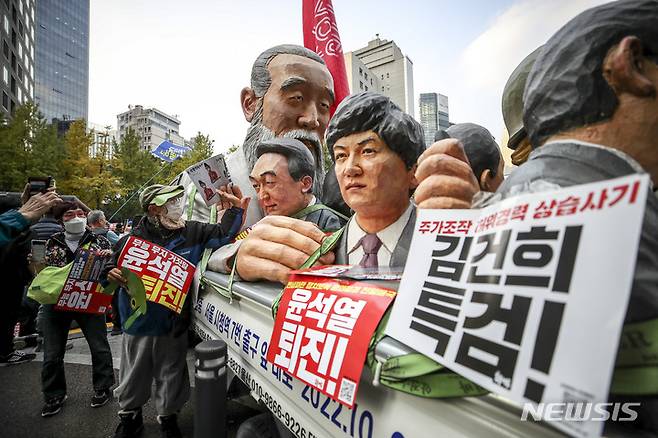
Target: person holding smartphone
{"x":15,"y":245}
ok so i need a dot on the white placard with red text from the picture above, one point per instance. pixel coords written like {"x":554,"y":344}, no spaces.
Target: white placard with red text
{"x":82,"y":291}
{"x":322,"y":330}
{"x":166,"y":275}
{"x":527,"y":297}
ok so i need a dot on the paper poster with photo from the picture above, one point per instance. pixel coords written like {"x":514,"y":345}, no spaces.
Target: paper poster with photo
{"x":526,"y":298}
{"x":208,"y":175}
{"x":322,"y":331}
{"x":166,"y":276}
{"x":82,"y":291}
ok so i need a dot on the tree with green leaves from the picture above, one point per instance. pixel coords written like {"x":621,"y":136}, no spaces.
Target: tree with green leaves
{"x":133,"y":167}
{"x":202,"y":148}
{"x":29,"y":147}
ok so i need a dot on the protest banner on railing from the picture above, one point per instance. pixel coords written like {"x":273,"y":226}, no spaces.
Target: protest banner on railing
{"x":322,"y":330}
{"x":526,"y":297}
{"x":166,"y":276}
{"x":82,"y":291}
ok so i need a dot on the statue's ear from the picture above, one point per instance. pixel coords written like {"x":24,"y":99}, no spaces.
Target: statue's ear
{"x":413,"y":180}
{"x":249,"y":103}
{"x":485,"y":180}
{"x":625,"y":69}
{"x":307,"y":184}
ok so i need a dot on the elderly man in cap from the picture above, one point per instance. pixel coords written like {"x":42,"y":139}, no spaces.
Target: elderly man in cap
{"x":154,"y":346}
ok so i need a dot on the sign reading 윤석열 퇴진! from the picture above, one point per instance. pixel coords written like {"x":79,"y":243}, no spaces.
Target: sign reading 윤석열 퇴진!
{"x":323,"y":327}
{"x":517,"y":297}
{"x":166,"y":276}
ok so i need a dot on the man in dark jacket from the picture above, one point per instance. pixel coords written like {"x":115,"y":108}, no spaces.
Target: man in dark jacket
{"x":155,"y":345}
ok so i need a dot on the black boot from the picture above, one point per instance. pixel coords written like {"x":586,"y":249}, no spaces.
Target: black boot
{"x":131,"y":425}
{"x":169,"y":426}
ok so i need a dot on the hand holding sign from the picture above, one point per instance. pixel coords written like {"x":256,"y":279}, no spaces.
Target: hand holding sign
{"x":165,"y":276}
{"x":231,"y":196}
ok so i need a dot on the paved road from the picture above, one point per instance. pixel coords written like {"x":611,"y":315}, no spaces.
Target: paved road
{"x":20,"y":408}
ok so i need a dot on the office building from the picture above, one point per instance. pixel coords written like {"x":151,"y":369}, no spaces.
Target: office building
{"x":433,"y":114}
{"x":393,"y":70}
{"x":151,"y":125}
{"x":17,"y":27}
{"x":103,"y":138}
{"x":444,"y":116}
{"x":359,"y":77}
{"x":62,"y":59}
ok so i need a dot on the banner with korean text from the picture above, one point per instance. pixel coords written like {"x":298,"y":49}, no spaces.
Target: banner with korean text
{"x":527,"y":297}
{"x":322,"y":330}
{"x":82,"y":291}
{"x":166,"y":275}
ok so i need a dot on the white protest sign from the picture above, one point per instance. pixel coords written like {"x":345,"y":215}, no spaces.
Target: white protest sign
{"x":527,"y":297}
{"x":208,"y":175}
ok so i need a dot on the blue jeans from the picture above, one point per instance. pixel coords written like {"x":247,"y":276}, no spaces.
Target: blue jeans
{"x":55,"y":326}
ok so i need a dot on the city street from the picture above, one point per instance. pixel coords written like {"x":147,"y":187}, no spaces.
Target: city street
{"x":20,"y":411}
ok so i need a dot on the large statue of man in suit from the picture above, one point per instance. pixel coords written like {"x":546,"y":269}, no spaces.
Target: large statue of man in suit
{"x":380,"y":160}
{"x":375,"y":147}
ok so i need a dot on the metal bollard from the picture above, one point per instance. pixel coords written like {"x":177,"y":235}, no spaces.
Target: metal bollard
{"x":210,"y":390}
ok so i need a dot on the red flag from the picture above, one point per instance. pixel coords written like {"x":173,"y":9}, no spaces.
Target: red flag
{"x":321,"y":36}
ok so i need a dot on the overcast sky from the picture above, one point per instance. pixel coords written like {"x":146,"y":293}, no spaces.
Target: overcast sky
{"x":192,"y":58}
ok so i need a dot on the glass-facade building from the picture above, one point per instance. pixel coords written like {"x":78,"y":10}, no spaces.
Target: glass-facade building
{"x":62,"y":59}
{"x":17,"y":27}
{"x":433,"y":115}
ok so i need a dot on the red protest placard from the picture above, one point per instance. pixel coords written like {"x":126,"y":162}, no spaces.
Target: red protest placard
{"x":82,"y":291}
{"x":166,"y":275}
{"x":322,"y":330}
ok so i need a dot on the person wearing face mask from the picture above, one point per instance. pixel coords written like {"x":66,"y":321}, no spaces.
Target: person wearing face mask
{"x":99,"y":225}
{"x":155,"y":345}
{"x":61,"y":249}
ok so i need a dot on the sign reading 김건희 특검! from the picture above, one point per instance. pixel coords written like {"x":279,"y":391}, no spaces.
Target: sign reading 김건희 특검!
{"x":519,"y":296}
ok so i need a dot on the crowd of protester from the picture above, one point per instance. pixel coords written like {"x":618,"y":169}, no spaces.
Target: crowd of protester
{"x":581,"y":108}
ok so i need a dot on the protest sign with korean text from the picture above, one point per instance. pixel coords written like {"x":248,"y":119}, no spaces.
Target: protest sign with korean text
{"x":322,"y":330}
{"x":169,"y":152}
{"x":208,"y":175}
{"x":82,"y":291}
{"x":166,"y":276}
{"x":527,"y":297}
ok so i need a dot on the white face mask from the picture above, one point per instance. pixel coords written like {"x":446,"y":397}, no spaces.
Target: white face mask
{"x":75,"y":225}
{"x":174,"y":209}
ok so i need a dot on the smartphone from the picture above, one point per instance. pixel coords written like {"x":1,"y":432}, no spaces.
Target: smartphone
{"x":39,"y":251}
{"x":40,"y":184}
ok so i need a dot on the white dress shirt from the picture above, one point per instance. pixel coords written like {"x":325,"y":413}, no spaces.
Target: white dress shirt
{"x":389,"y":237}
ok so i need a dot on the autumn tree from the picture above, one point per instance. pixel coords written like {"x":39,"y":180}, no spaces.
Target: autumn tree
{"x":133,"y":168}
